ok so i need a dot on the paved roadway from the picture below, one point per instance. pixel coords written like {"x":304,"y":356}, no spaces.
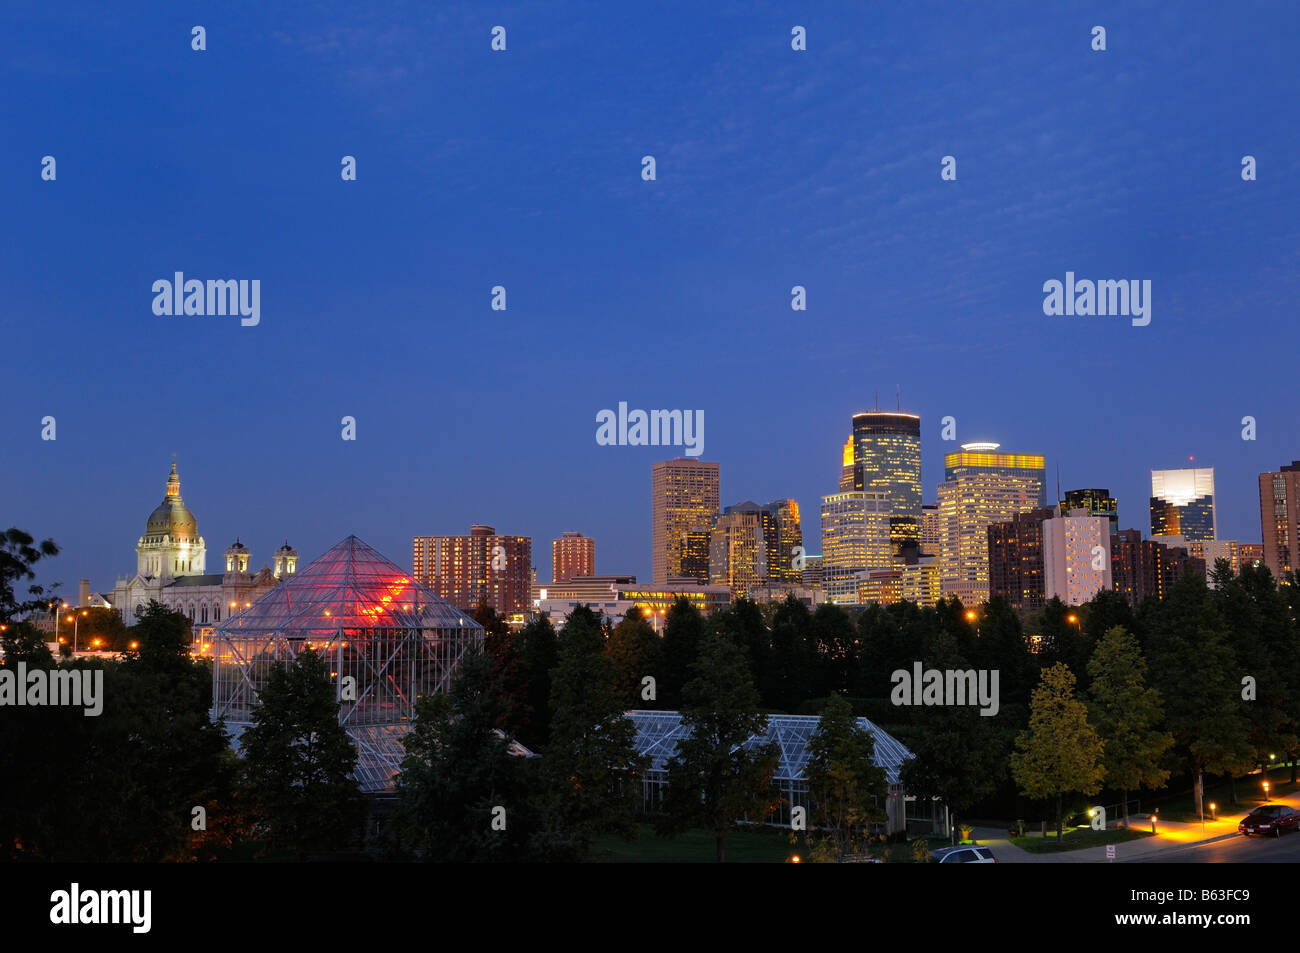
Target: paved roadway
{"x":1233,"y":850}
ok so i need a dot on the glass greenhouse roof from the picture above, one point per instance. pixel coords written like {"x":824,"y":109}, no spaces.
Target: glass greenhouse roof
{"x":657,"y":734}
{"x":350,"y":586}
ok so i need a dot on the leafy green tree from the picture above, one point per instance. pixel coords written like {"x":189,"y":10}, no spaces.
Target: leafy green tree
{"x":634,"y":651}
{"x":539,"y":656}
{"x":713,"y":779}
{"x":592,"y":770}
{"x":506,"y":651}
{"x":743,"y":623}
{"x":835,"y":638}
{"x":1060,"y":752}
{"x":792,"y":670}
{"x":299,"y":762}
{"x":843,"y":780}
{"x":1126,"y":713}
{"x":462,"y":794}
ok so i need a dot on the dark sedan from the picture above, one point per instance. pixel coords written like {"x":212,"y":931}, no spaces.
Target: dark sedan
{"x":1270,"y":819}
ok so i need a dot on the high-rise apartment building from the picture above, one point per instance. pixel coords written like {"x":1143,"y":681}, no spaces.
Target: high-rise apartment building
{"x":1182,"y":503}
{"x":1016,"y":571}
{"x":483,"y":567}
{"x":1279,"y":519}
{"x":782,"y":533}
{"x":887,"y":459}
{"x":1141,"y":568}
{"x":1076,"y":556}
{"x":572,"y":555}
{"x":855,"y":537}
{"x":684,"y":498}
{"x":1096,"y":502}
{"x":738,"y":551}
{"x":982,"y":487}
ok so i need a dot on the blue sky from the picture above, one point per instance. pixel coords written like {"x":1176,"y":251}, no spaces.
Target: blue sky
{"x":522,"y":168}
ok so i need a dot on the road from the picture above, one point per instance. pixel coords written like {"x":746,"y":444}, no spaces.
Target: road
{"x":1234,"y":850}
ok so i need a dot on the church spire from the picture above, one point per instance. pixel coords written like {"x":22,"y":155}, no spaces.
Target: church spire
{"x":174,"y":485}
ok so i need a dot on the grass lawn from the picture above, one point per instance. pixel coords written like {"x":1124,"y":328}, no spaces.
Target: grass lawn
{"x":1075,"y":838}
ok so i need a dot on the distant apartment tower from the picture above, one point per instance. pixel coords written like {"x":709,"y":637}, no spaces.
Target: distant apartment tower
{"x":887,"y":459}
{"x":684,"y":498}
{"x":483,"y":567}
{"x":1143,"y":568}
{"x":981,"y":487}
{"x":1252,"y":554}
{"x":1016,"y":570}
{"x":1279,"y":518}
{"x":855,"y":537}
{"x":931,"y":529}
{"x":1182,"y":503}
{"x":1076,"y":556}
{"x":1096,"y":502}
{"x":738,"y":551}
{"x":572,"y":555}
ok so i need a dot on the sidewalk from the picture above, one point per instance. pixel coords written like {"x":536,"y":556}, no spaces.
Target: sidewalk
{"x":1169,"y":834}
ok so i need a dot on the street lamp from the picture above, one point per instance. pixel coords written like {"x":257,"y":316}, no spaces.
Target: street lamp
{"x":76,"y":620}
{"x":1266,"y":797}
{"x":1213,"y":808}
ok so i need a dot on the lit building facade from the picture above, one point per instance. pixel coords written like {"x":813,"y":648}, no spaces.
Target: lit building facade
{"x":887,"y":459}
{"x":782,"y":535}
{"x":855,"y":537}
{"x":1016,"y":570}
{"x":572,"y":555}
{"x":738,"y":551}
{"x":684,"y":498}
{"x":613,"y":596}
{"x":1145,"y":568}
{"x":1182,"y":503}
{"x":1076,"y":556}
{"x":1097,"y":502}
{"x":1279,"y":519}
{"x":982,"y":487}
{"x":481,"y":568}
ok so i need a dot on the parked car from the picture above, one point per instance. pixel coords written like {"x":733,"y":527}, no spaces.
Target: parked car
{"x":1270,"y":819}
{"x":964,"y":854}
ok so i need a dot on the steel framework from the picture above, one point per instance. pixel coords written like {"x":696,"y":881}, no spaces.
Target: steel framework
{"x":387,"y":639}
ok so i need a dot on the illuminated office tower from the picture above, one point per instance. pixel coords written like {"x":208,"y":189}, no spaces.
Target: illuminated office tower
{"x":982,"y":487}
{"x":1096,"y":502}
{"x":684,"y":497}
{"x":572,"y":555}
{"x":847,"y":477}
{"x":781,"y":534}
{"x":695,"y":556}
{"x":1076,"y":556}
{"x":887,"y":459}
{"x":738,"y":551}
{"x":1279,"y":519}
{"x":1182,"y":503}
{"x":931,"y":530}
{"x":855,"y":537}
{"x":483,"y":567}
{"x":1016,"y":571}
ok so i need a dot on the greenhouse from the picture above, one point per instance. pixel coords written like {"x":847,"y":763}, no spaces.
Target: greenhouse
{"x":657,"y":734}
{"x":387,"y":639}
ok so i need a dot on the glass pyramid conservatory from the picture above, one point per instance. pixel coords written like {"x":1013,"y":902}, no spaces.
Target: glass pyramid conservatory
{"x":388,"y":640}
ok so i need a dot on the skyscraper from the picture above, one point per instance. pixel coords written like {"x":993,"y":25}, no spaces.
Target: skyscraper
{"x":982,"y":487}
{"x":847,"y":476}
{"x":1279,"y":518}
{"x":1182,"y":503}
{"x":483,"y":567}
{"x":738,"y":551}
{"x":1016,"y":571}
{"x":887,"y":459}
{"x":855,"y":538}
{"x":572,"y":555}
{"x":1096,"y":502}
{"x":782,"y":532}
{"x":684,"y":497}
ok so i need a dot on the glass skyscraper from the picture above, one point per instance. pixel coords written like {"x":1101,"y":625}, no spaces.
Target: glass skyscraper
{"x":1182,"y":503}
{"x":887,"y":459}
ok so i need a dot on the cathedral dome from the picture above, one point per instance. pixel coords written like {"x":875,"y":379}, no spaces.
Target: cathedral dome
{"x":172,"y":517}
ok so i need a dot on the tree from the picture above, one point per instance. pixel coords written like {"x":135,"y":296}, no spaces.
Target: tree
{"x":843,"y":779}
{"x":299,"y":761}
{"x":792,"y":669}
{"x":531,"y":722}
{"x":1060,"y":752}
{"x":591,"y":769}
{"x":461,"y":792}
{"x":833,"y":634}
{"x":683,"y":632}
{"x":713,"y":779}
{"x":634,"y":652}
{"x":1125,"y":712}
{"x":743,"y":623}
{"x":19,"y":553}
